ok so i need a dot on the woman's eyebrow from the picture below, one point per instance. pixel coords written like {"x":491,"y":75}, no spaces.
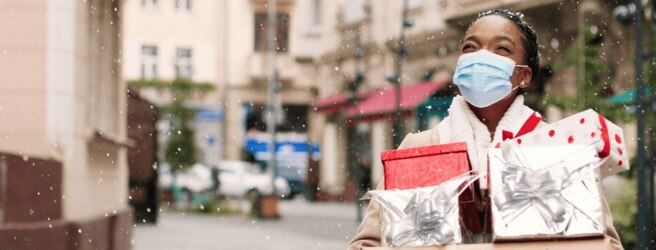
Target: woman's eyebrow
{"x":473,"y":38}
{"x":503,"y":37}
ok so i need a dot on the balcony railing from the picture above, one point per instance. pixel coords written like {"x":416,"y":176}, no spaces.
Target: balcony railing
{"x":285,"y":64}
{"x":460,"y":9}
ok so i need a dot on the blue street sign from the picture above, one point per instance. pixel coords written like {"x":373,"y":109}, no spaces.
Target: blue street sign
{"x":209,"y":115}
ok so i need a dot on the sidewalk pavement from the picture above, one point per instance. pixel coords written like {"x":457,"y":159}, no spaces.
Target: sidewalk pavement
{"x":303,"y":225}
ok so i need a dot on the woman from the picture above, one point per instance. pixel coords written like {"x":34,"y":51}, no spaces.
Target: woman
{"x":499,"y":57}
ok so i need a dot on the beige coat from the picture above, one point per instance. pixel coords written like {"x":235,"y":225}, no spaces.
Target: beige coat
{"x":461,"y":125}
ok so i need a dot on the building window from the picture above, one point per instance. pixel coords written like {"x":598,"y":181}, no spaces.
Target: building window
{"x":183,"y":63}
{"x":354,"y":11}
{"x":148,"y":62}
{"x":414,"y":4}
{"x":183,"y":5}
{"x":281,"y":39}
{"x":315,"y":18}
{"x":149,"y":4}
{"x":316,"y":13}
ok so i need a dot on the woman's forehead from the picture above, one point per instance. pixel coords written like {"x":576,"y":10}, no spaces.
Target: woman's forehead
{"x":492,"y":26}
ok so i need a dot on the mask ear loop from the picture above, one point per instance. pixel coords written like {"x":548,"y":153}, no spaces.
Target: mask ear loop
{"x":518,"y":85}
{"x":514,"y":88}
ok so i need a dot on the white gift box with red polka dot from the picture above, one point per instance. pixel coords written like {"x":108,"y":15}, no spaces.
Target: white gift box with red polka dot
{"x":544,"y":184}
{"x":584,"y":128}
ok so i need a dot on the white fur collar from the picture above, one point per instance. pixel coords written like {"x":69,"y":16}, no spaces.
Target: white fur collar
{"x":463,"y":125}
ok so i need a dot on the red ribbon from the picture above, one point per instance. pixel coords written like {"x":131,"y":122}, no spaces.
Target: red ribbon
{"x":529,"y":125}
{"x":604,"y":136}
{"x":533,"y":121}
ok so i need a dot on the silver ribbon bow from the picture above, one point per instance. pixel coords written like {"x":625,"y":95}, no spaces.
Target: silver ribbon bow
{"x":422,"y":216}
{"x":541,"y":189}
{"x":426,"y":222}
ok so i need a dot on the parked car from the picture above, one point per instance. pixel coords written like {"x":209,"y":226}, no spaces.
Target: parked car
{"x":240,"y":178}
{"x":197,"y":178}
{"x":236,"y":179}
{"x":189,"y":186}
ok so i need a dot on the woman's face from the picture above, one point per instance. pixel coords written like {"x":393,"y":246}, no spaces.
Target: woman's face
{"x":499,"y":35}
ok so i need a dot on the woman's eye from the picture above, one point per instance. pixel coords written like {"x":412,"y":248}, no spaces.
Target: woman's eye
{"x":503,"y":48}
{"x":467,"y":46}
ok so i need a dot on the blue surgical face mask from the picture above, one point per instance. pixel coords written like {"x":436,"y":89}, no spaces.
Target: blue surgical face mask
{"x":484,"y":77}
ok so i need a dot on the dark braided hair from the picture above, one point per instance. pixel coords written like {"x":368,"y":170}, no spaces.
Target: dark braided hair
{"x":529,"y":36}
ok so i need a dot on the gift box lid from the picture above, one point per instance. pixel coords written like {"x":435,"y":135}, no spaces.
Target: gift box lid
{"x":424,"y":166}
{"x":584,"y":128}
{"x":602,"y":243}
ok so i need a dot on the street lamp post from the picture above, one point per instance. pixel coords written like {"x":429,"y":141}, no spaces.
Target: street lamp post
{"x":355,"y":138}
{"x":650,"y":104}
{"x":396,"y":78}
{"x":645,"y":175}
{"x":272,"y":90}
{"x":226,"y":78}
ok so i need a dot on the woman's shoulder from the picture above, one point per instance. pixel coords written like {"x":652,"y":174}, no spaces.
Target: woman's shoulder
{"x":419,"y":139}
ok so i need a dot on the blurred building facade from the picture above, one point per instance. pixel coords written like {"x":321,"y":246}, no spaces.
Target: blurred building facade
{"x":224,"y":43}
{"x":321,"y":45}
{"x":177,"y":39}
{"x":377,"y":26}
{"x":63,"y":172}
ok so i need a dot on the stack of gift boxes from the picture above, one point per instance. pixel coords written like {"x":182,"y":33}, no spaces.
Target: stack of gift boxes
{"x":541,"y":188}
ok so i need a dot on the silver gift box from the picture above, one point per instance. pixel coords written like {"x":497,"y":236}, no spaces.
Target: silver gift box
{"x":427,"y":216}
{"x":540,"y":192}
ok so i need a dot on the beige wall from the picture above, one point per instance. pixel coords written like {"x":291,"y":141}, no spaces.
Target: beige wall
{"x":23,"y":63}
{"x":46,"y":99}
{"x":89,"y":98}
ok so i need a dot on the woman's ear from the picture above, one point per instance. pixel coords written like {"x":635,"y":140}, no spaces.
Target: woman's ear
{"x":527,"y":77}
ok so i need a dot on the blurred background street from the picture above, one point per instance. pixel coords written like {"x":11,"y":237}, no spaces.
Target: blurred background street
{"x":303,"y":225}
{"x":139,"y":124}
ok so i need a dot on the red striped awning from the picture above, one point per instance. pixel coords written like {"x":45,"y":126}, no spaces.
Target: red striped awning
{"x":336,"y":103}
{"x":382,"y":102}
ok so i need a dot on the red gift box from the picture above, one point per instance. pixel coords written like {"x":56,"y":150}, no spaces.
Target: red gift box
{"x":429,"y":166}
{"x":424,"y":166}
